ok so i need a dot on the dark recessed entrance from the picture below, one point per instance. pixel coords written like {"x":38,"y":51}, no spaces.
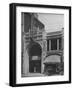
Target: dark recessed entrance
{"x":35,"y":59}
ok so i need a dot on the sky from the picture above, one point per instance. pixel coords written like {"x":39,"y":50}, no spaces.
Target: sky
{"x":52,"y":22}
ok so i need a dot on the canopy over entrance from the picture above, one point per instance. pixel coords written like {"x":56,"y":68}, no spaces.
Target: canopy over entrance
{"x":52,"y":59}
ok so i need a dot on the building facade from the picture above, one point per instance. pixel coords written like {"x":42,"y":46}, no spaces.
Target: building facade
{"x":39,"y":48}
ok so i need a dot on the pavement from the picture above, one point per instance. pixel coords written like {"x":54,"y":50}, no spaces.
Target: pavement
{"x":33,"y":75}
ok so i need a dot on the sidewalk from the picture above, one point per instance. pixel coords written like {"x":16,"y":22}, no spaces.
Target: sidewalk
{"x":33,"y":75}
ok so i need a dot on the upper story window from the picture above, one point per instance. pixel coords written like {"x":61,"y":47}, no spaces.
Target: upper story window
{"x":54,"y":44}
{"x":60,"y":43}
{"x":47,"y":45}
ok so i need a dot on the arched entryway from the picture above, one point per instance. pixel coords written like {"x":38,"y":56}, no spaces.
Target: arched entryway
{"x":35,"y":58}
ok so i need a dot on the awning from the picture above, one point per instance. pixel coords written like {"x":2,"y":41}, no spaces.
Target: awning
{"x":52,"y":59}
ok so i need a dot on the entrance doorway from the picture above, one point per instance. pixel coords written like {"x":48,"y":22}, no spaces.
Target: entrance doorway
{"x":35,"y":58}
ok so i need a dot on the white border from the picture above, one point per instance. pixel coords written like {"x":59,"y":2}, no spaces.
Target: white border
{"x":65,"y":77}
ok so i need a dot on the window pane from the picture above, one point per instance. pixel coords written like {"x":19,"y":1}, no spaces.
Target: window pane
{"x":60,"y":43}
{"x":47,"y":45}
{"x":54,"y":44}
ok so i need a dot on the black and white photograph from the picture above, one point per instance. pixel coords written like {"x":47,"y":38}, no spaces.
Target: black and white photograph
{"x":40,"y":44}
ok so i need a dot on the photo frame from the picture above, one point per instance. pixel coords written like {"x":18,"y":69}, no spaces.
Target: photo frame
{"x":40,"y":44}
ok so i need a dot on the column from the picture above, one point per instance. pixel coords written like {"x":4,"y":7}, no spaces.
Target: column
{"x":49,"y":45}
{"x":57,"y":44}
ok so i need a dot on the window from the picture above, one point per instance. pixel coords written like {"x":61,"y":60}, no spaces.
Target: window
{"x":47,"y":45}
{"x":60,"y":43}
{"x":54,"y":44}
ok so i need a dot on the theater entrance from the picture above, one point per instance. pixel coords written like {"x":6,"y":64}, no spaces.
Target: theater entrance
{"x":35,"y":59}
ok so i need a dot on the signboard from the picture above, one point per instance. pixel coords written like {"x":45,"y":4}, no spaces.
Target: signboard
{"x":36,"y":58}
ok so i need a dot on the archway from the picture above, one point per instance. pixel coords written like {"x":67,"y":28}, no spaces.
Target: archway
{"x":35,"y":58}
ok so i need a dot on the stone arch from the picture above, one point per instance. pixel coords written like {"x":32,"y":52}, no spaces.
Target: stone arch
{"x":35,"y":49}
{"x":35,"y":52}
